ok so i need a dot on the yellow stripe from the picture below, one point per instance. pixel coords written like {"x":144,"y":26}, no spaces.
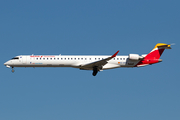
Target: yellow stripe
{"x":162,"y":45}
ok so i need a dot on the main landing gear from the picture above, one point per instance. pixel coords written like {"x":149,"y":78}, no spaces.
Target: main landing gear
{"x":95,"y":71}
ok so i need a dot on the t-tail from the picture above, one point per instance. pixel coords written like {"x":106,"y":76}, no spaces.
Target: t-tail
{"x":154,"y":55}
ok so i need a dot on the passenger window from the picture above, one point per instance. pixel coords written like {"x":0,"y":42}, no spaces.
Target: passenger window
{"x":74,"y":58}
{"x":36,"y":58}
{"x":43,"y":58}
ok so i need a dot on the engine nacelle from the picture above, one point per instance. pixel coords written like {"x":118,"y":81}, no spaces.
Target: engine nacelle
{"x":134,"y":57}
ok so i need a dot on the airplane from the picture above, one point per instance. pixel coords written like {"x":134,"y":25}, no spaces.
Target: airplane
{"x":95,"y":63}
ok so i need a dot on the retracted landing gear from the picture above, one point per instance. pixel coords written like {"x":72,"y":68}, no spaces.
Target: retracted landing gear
{"x":12,"y":70}
{"x":95,"y":71}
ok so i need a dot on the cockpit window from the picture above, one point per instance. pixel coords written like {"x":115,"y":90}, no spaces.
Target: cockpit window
{"x":15,"y":58}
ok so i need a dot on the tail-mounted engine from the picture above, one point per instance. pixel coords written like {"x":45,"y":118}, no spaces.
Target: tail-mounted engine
{"x":135,"y":57}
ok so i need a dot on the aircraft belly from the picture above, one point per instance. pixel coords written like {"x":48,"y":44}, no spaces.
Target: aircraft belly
{"x":110,"y":66}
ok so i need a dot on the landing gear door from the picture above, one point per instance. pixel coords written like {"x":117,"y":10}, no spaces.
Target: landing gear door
{"x":24,"y":59}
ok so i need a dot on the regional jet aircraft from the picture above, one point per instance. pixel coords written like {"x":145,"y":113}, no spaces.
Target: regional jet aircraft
{"x":95,"y":63}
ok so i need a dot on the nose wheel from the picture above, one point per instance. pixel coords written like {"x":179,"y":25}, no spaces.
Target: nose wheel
{"x":12,"y":70}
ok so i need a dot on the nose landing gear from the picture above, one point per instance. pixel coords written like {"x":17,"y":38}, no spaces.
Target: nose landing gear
{"x":12,"y":70}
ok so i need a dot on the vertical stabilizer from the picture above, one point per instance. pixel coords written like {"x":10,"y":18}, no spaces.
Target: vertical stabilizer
{"x":157,"y":51}
{"x":154,"y":55}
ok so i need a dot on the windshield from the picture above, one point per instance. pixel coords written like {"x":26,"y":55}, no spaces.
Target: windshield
{"x":15,"y":58}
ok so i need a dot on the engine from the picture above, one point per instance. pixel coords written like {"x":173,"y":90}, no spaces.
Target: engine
{"x":135,"y":57}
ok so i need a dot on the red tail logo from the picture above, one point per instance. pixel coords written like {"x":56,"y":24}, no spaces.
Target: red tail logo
{"x":154,"y":55}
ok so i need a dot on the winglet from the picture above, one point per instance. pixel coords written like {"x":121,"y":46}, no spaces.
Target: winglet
{"x":115,"y":54}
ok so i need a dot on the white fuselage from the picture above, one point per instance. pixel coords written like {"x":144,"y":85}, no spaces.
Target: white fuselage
{"x":89,"y":62}
{"x":74,"y":61}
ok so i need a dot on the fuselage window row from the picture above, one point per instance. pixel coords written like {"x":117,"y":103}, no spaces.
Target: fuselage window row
{"x":77,"y":58}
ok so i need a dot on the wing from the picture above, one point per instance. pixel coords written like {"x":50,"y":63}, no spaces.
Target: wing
{"x":98,"y":64}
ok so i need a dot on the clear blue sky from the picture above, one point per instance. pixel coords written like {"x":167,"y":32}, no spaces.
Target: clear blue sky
{"x":94,"y":27}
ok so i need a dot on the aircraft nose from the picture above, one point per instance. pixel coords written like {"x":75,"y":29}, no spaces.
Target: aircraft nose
{"x":7,"y":64}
